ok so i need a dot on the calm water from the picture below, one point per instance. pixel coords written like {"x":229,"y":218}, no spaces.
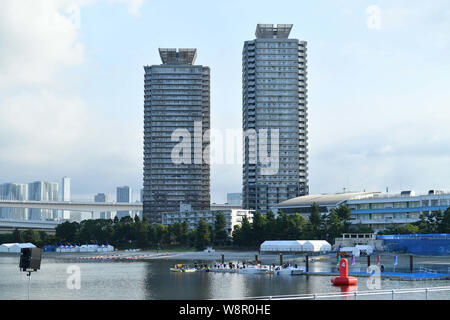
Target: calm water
{"x":152,"y":280}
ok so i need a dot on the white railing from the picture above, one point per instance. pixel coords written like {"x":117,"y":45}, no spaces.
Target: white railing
{"x":393,"y":294}
{"x":427,"y":270}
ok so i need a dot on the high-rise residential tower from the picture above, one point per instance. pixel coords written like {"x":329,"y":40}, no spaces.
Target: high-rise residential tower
{"x":13,"y":191}
{"x":176,"y":123}
{"x":274,"y":99}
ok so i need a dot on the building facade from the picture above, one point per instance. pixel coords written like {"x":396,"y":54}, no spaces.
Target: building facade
{"x":101,"y":197}
{"x":234,"y":199}
{"x":274,"y":74}
{"x":232,"y":217}
{"x":176,"y":134}
{"x":124,"y":194}
{"x":384,"y":211}
{"x":14,"y":191}
{"x":43,"y":191}
{"x":373,"y":209}
{"x":65,"y":196}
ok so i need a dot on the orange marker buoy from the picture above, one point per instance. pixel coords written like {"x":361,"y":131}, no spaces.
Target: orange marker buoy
{"x":344,"y":279}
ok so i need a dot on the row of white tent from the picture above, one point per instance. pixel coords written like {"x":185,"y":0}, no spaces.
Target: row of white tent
{"x":85,"y":248}
{"x":356,"y":250}
{"x":15,"y":247}
{"x":295,"y":246}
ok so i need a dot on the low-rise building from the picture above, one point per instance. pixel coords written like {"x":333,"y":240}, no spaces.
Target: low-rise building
{"x":373,"y":209}
{"x":232,"y":217}
{"x":358,"y":239}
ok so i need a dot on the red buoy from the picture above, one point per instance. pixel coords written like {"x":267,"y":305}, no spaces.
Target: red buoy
{"x":344,"y":279}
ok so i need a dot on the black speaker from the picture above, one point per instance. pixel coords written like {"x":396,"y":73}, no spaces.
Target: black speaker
{"x":30,"y":259}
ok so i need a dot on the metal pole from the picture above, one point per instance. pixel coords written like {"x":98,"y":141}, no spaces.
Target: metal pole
{"x":355,"y":294}
{"x":223,"y":258}
{"x":256,"y":258}
{"x":411,"y":263}
{"x":368,"y":260}
{"x":29,"y":283}
{"x":281,"y":259}
{"x":426,"y":294}
{"x":392,"y":294}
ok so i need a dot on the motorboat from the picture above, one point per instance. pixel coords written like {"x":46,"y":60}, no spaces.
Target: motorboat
{"x":289,"y":270}
{"x":182,"y":268}
{"x":254,"y":269}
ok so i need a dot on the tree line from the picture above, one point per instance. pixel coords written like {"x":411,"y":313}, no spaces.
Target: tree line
{"x":295,"y":227}
{"x":434,"y":222}
{"x":135,"y":233}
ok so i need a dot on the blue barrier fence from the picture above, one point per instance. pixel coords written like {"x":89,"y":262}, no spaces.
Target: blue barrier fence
{"x":422,"y":244}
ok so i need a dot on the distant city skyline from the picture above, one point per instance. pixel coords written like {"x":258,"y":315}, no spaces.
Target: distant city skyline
{"x":377,"y":88}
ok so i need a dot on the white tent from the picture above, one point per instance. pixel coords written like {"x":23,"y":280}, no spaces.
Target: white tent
{"x":352,"y":250}
{"x":367,"y":249}
{"x":316,"y":246}
{"x":105,"y":248}
{"x":6,"y":246}
{"x":15,"y":247}
{"x":282,"y":246}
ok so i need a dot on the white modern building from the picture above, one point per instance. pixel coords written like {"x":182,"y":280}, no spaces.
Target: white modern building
{"x":373,"y":209}
{"x":43,"y":191}
{"x":65,"y":196}
{"x":232,"y":216}
{"x":13,"y":191}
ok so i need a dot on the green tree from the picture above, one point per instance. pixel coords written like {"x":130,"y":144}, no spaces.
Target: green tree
{"x":316,"y":222}
{"x":220,"y":232}
{"x":67,"y":231}
{"x":32,"y":236}
{"x":203,"y":234}
{"x":259,"y":228}
{"x":344,"y":215}
{"x":334,"y":226}
{"x":445,"y":224}
{"x":296,"y":226}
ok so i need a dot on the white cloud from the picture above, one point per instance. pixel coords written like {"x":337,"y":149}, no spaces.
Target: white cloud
{"x":36,"y":38}
{"x":46,"y":129}
{"x":134,"y":6}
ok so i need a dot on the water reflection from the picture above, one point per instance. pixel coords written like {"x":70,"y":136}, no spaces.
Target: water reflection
{"x":153,"y":280}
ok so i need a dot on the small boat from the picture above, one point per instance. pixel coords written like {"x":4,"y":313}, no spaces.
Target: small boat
{"x":254,"y":270}
{"x":289,"y":271}
{"x":182,"y":268}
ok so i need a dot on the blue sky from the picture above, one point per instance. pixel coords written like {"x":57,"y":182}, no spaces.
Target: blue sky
{"x":71,"y":87}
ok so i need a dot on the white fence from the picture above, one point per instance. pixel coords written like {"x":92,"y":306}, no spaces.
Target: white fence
{"x":372,"y":295}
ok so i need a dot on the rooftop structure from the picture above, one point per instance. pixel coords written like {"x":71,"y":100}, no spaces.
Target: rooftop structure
{"x":182,"y":56}
{"x":281,"y":31}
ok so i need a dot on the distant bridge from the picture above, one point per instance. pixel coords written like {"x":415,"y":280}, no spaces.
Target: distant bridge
{"x":72,"y":205}
{"x":8,"y":225}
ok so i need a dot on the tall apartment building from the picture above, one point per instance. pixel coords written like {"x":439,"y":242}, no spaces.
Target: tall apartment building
{"x":177,"y":101}
{"x":43,"y":191}
{"x":13,"y":191}
{"x":124,"y":194}
{"x":274,"y":98}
